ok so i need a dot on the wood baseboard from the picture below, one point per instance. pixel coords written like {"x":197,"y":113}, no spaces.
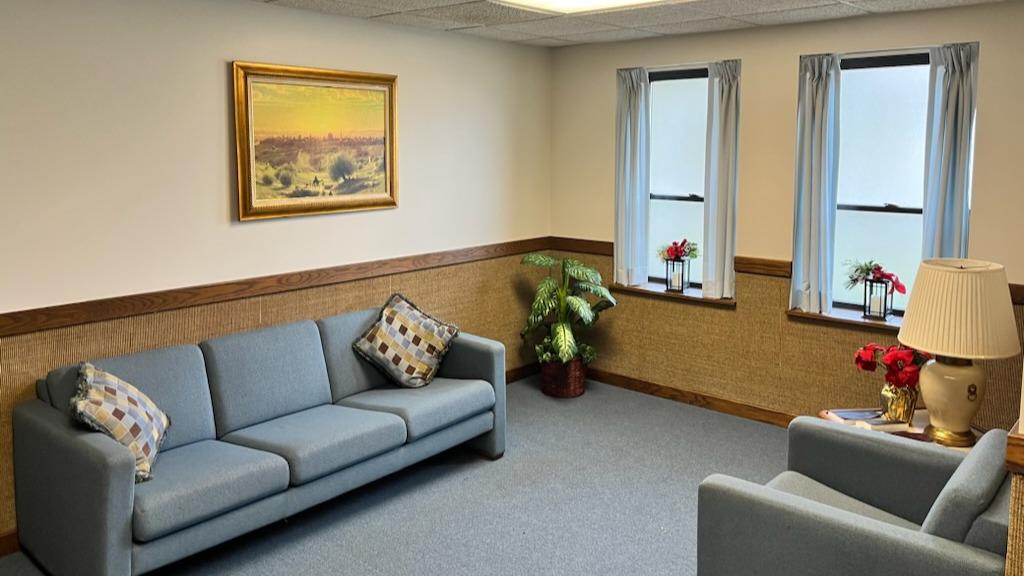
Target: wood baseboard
{"x":684,"y":396}
{"x":694,"y":398}
{"x":9,"y":543}
{"x":521,"y":372}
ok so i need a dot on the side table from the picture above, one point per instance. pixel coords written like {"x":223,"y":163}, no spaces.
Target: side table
{"x":914,"y":430}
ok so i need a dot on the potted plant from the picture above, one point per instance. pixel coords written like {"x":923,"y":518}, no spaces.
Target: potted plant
{"x":562,"y":304}
{"x":903,"y":370}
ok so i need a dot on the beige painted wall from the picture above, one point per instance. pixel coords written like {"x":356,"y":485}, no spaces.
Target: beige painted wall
{"x":117,"y":163}
{"x":583,"y":132}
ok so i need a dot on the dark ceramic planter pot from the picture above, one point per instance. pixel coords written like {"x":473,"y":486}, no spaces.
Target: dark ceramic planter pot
{"x":563,"y":380}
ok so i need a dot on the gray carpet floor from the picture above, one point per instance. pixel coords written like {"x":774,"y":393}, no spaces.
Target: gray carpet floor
{"x":602,"y":484}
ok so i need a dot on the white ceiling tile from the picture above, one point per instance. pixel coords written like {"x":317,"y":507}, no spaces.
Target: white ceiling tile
{"x":406,"y":5}
{"x":803,"y":15}
{"x":333,"y":7}
{"x":406,"y":19}
{"x":739,"y":7}
{"x":549,"y":42}
{"x":617,"y":35}
{"x":697,"y":26}
{"x":480,"y":14}
{"x":498,"y":34}
{"x":649,"y":15}
{"x":907,"y":5}
{"x":492,"y":19}
{"x":559,"y":26}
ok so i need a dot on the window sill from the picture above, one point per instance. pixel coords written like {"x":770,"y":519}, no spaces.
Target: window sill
{"x":846,"y":318}
{"x":654,"y":290}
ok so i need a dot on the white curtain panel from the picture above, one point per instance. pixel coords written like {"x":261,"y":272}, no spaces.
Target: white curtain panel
{"x":632,"y":176}
{"x":817,"y":171}
{"x":950,"y":147}
{"x":719,"y":280}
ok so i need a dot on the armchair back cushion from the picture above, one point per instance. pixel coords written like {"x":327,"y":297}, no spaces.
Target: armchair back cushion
{"x":970,"y":490}
{"x":174,"y":378}
{"x":349,"y":373}
{"x":260,"y":375}
{"x":991,"y":529}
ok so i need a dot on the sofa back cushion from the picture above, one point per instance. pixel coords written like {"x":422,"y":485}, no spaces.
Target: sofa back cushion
{"x":349,"y":373}
{"x":258,"y":376}
{"x":970,"y":490}
{"x":174,"y":378}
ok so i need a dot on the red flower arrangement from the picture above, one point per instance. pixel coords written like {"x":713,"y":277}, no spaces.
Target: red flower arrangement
{"x":679,"y":250}
{"x":861,"y":271}
{"x":903,"y":365}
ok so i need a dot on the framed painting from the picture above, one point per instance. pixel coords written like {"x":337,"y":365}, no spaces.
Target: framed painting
{"x":313,"y":141}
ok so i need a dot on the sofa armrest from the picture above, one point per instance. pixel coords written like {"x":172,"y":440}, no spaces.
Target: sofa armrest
{"x":480,"y":358}
{"x":74,"y":492}
{"x":746,"y":528}
{"x":898,"y":475}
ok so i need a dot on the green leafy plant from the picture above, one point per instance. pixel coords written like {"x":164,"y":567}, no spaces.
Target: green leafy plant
{"x":561,"y":305}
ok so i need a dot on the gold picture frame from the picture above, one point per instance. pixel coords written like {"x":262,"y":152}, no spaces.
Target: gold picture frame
{"x":313,"y":141}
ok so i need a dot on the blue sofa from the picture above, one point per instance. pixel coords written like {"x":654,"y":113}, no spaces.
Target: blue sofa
{"x":264,"y":424}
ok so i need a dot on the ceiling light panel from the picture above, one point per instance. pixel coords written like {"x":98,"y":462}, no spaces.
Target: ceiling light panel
{"x":577,"y":6}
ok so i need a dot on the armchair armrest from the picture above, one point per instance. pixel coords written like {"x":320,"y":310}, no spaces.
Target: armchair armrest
{"x":898,"y":475}
{"x":74,"y":492}
{"x":746,"y":528}
{"x":480,"y":358}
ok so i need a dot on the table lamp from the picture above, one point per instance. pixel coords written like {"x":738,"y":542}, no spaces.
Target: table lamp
{"x":959,"y":311}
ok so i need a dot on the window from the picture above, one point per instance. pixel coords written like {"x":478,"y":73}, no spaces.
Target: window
{"x":679,"y":126}
{"x":883,"y":107}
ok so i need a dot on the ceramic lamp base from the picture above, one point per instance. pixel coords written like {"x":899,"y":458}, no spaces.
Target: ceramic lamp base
{"x":952,"y":391}
{"x":950,"y":438}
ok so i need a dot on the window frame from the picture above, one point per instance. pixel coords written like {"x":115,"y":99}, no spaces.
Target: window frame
{"x":917,"y":58}
{"x":661,"y":76}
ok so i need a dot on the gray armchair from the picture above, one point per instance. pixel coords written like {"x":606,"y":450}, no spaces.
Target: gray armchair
{"x":856,"y":502}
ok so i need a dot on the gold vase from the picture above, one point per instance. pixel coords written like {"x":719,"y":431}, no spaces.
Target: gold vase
{"x":899,"y":404}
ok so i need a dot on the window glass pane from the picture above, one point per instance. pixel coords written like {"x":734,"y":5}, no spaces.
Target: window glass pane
{"x":882,"y":120}
{"x":679,"y":123}
{"x":672,"y":221}
{"x":891,"y":239}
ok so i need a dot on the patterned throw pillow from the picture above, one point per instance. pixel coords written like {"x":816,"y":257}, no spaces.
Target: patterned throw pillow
{"x":110,"y":405}
{"x":406,"y":344}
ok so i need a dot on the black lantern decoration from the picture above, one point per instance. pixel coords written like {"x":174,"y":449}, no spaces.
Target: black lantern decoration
{"x":877,"y":299}
{"x":677,"y":274}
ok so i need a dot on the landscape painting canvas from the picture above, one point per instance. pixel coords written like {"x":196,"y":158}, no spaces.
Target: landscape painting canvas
{"x":313,"y":141}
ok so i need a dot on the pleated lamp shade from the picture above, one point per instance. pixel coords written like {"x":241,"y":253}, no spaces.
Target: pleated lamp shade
{"x":961,"y":309}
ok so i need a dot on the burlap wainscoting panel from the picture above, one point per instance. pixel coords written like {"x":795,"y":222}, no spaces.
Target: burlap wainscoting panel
{"x":753,"y":355}
{"x":324,"y":301}
{"x":1015,"y":543}
{"x":1001,"y":406}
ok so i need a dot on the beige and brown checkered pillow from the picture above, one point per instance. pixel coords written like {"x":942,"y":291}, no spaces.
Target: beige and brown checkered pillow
{"x":110,"y":405}
{"x":406,"y":344}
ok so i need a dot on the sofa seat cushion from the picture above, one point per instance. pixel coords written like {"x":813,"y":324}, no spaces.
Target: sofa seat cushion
{"x":199,"y":481}
{"x":800,"y":485}
{"x":446,"y":401}
{"x":324,"y":439}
